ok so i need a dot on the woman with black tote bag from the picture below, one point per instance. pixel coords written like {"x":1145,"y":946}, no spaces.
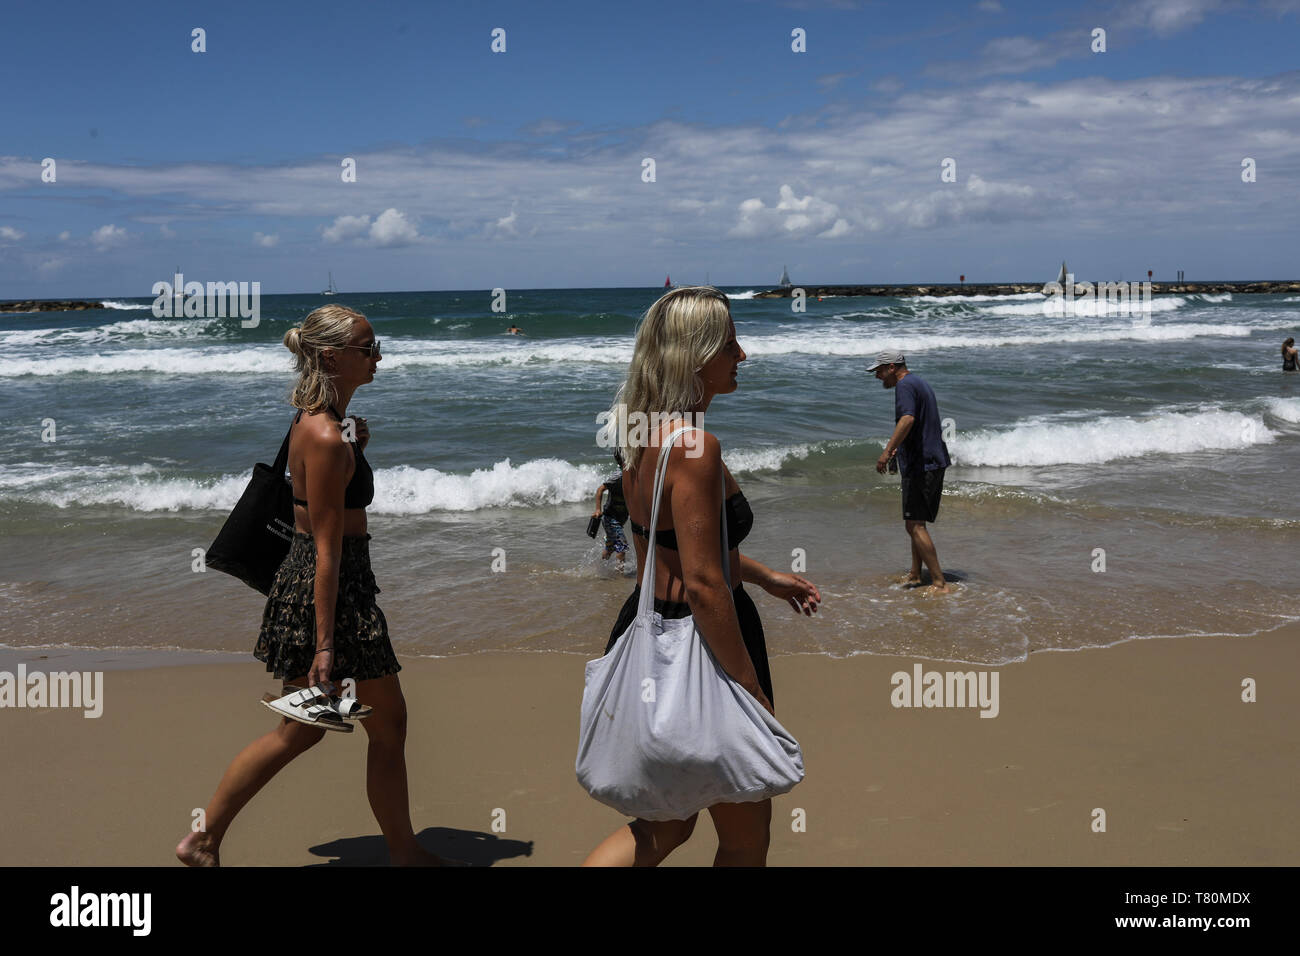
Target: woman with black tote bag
{"x":327,"y":568}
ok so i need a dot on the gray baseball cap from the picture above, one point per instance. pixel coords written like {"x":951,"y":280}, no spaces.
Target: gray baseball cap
{"x":887,"y":358}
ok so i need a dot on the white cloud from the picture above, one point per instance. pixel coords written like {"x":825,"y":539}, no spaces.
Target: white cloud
{"x":105,"y":237}
{"x":347,"y":227}
{"x":976,"y":201}
{"x":393,"y":229}
{"x":989,"y":6}
{"x":10,"y":234}
{"x":1168,"y":16}
{"x":390,"y":229}
{"x":791,"y":216}
{"x":505,"y":226}
{"x":829,"y":81}
{"x":266,"y":241}
{"x":167,"y":231}
{"x":64,"y":236}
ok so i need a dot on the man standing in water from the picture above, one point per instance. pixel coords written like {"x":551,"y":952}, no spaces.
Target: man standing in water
{"x":922,"y":459}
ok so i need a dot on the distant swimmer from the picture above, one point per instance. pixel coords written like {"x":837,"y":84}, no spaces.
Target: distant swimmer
{"x":515,"y":330}
{"x":1290,"y":356}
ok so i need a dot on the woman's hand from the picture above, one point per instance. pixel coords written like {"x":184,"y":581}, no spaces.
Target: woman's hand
{"x":363,"y":433}
{"x":321,"y":665}
{"x":757,"y":693}
{"x":800,"y":592}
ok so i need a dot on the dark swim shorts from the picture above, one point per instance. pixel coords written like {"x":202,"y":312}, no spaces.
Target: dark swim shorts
{"x":921,"y":494}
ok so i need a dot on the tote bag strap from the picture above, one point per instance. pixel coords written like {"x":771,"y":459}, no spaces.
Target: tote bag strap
{"x":648,"y":579}
{"x":282,"y":456}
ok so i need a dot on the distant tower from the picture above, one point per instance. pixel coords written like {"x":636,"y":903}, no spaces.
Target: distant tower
{"x":785,"y":282}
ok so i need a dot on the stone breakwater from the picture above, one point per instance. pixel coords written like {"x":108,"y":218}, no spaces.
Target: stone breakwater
{"x":33,"y":305}
{"x":1019,"y":288}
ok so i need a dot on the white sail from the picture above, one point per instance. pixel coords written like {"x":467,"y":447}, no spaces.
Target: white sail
{"x":785,"y":282}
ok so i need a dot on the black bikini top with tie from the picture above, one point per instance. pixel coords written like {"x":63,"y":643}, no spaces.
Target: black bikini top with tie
{"x":736,"y":511}
{"x":361,"y":489}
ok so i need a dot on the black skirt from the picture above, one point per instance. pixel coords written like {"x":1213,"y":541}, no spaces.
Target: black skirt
{"x":751,"y":629}
{"x":287,"y":642}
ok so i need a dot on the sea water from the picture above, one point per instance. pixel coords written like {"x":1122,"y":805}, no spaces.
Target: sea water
{"x":1113,"y":478}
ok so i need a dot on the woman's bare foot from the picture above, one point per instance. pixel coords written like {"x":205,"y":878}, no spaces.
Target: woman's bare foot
{"x":909,"y":579}
{"x":941,"y":588}
{"x":197,"y":849}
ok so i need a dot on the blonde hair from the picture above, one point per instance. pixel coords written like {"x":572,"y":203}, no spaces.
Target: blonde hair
{"x":330,"y":326}
{"x":677,"y":336}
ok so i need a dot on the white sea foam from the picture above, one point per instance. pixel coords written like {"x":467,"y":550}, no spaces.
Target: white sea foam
{"x":1287,"y":409}
{"x":415,"y":353}
{"x":1057,"y":307}
{"x":763,"y":459}
{"x":838,"y":343}
{"x":1210,"y":297}
{"x":402,"y":490}
{"x":112,"y":333}
{"x":209,"y":361}
{"x":114,"y":304}
{"x":960,"y":299}
{"x":748,"y":294}
{"x":1108,"y":439}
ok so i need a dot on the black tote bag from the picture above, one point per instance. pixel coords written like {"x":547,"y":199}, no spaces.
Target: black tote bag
{"x":256,"y":537}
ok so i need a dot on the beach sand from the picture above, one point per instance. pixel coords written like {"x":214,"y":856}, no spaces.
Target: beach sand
{"x":1154,"y":732}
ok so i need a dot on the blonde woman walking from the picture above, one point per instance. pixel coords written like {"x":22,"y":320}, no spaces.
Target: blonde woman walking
{"x":327,"y":570}
{"x":686,"y":353}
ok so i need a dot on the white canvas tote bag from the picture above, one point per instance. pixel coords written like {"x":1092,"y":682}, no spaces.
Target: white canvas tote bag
{"x":665,"y":731}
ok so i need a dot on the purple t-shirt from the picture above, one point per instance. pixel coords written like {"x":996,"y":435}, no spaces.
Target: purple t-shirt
{"x":924,"y":445}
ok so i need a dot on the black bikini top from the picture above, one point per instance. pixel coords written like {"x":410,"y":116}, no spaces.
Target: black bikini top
{"x":736,"y":510}
{"x":361,"y":489}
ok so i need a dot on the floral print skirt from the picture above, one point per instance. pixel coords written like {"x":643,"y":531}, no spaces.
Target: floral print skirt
{"x":287,"y":642}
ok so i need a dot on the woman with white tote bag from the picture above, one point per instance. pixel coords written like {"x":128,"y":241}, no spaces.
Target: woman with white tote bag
{"x":701,"y":639}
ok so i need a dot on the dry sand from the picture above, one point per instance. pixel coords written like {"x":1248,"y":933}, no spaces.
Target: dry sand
{"x":1154,"y":732}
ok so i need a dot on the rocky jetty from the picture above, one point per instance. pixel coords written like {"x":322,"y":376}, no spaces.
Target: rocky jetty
{"x":1015,"y":288}
{"x":51,"y":305}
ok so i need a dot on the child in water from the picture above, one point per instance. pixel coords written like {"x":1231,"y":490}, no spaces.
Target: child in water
{"x":612,"y":516}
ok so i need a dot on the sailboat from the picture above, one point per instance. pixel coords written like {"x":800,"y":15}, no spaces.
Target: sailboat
{"x":668,"y":282}
{"x":785,"y":282}
{"x":1061,"y":279}
{"x":331,"y":290}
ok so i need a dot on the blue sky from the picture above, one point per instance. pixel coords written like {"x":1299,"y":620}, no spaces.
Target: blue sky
{"x":524,"y":168}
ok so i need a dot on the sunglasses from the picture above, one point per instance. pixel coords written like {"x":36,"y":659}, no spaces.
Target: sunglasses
{"x":372,"y":349}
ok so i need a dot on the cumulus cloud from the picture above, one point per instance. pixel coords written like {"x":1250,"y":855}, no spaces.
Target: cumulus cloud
{"x":266,"y":241}
{"x":10,"y":234}
{"x":989,"y":6}
{"x":391,"y":228}
{"x":791,"y":216}
{"x":105,"y":237}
